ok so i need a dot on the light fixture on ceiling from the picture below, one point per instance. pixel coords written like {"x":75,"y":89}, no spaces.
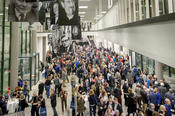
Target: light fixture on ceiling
{"x":1,"y":14}
{"x":6,"y":8}
{"x":103,"y":12}
{"x":83,"y":6}
{"x":82,"y":16}
{"x":85,"y":0}
{"x":82,"y":13}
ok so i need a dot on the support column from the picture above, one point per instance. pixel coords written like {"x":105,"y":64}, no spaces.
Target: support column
{"x":44,"y":50}
{"x":170,"y":6}
{"x":157,"y":7}
{"x":158,"y":70}
{"x":134,"y":7}
{"x":147,"y":9}
{"x":34,"y":41}
{"x":14,"y":56}
{"x":130,"y":11}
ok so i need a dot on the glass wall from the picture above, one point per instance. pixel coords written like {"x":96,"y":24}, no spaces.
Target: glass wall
{"x":143,"y":3}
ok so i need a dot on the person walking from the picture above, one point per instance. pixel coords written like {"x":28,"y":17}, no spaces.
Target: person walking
{"x":80,"y":106}
{"x":53,"y":102}
{"x":34,"y":101}
{"x":43,"y":111}
{"x":92,"y":102}
{"x":40,"y":88}
{"x":57,"y":84}
{"x":47,"y":87}
{"x":63,"y":96}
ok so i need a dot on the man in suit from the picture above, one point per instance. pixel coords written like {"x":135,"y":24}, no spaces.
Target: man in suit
{"x":68,"y":12}
{"x":20,"y":10}
{"x":66,"y":44}
{"x":54,"y":12}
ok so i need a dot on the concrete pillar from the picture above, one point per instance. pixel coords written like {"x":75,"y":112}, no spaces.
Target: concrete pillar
{"x":34,"y":41}
{"x":157,"y":7}
{"x":158,"y":70}
{"x":147,"y":9}
{"x":133,"y":59}
{"x":170,"y":6}
{"x":14,"y":56}
{"x":129,"y":6}
{"x":44,"y":49}
{"x":134,"y":7}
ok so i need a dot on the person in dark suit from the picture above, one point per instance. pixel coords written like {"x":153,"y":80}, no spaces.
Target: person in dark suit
{"x":54,"y":12}
{"x":68,"y":12}
{"x":66,"y":44}
{"x":20,"y":10}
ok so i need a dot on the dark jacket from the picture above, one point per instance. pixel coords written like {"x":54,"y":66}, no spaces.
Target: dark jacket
{"x":53,"y":100}
{"x":131,"y":103}
{"x":162,"y":91}
{"x":144,"y":96}
{"x":153,"y":98}
{"x":23,"y":104}
{"x":3,"y":106}
{"x":92,"y":100}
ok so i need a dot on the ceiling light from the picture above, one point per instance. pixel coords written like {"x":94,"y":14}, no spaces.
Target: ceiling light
{"x":83,"y":6}
{"x":103,"y":12}
{"x":6,"y":8}
{"x":1,"y":14}
{"x":82,"y":16}
{"x":82,"y":12}
{"x":85,"y":0}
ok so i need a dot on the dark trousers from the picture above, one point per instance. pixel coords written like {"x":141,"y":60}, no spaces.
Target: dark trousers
{"x":34,"y":111}
{"x":40,"y":92}
{"x":92,"y":110}
{"x":63,"y":103}
{"x":54,"y":111}
{"x":57,"y":89}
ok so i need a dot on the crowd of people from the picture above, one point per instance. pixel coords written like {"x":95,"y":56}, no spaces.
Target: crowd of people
{"x":103,"y":83}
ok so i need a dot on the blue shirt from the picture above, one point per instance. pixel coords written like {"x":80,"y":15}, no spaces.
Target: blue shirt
{"x":168,"y":109}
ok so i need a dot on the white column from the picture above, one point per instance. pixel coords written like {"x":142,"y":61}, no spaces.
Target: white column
{"x":140,"y":9}
{"x":134,"y":7}
{"x":158,"y":70}
{"x":44,"y":49}
{"x":147,"y":9}
{"x":14,"y":56}
{"x":34,"y":41}
{"x":133,"y":59}
{"x":170,"y":6}
{"x":129,"y":10}
{"x":157,"y":7}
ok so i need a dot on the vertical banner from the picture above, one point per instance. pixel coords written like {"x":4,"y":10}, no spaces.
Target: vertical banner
{"x":68,"y":12}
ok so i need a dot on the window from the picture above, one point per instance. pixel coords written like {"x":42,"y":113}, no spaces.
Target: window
{"x":166,"y":6}
{"x":161,"y":7}
{"x":172,"y":72}
{"x":143,"y":2}
{"x":138,"y":60}
{"x":165,"y":70}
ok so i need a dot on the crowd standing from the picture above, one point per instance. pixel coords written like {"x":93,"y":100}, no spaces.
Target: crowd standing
{"x":99,"y":78}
